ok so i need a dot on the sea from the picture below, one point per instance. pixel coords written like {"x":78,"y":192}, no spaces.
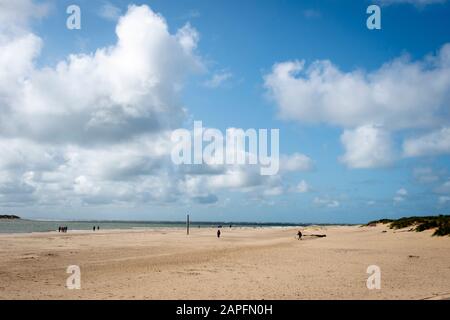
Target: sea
{"x":28,"y":226}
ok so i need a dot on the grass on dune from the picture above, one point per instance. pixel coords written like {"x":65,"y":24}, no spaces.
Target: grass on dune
{"x":440,"y":223}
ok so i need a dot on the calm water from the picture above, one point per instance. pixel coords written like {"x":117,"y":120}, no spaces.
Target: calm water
{"x":25,"y":226}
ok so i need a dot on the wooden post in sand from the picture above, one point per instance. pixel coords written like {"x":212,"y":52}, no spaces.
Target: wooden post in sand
{"x":187,"y":225}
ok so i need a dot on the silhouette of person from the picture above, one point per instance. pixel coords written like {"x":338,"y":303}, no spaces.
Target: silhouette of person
{"x":218,"y":233}
{"x":299,"y":234}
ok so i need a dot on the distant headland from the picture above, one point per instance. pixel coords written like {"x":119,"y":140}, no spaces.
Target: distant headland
{"x":9,"y":216}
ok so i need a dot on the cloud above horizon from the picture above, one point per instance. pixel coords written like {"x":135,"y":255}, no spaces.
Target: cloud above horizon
{"x":110,"y":12}
{"x":370,"y":106}
{"x":95,"y":128}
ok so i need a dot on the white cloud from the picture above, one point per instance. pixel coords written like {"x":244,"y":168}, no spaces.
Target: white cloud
{"x":400,"y":195}
{"x":369,"y":106}
{"x":433,"y":143}
{"x":218,"y":79}
{"x":326,"y":202}
{"x":232,"y":178}
{"x":302,"y":187}
{"x":109,"y":11}
{"x":95,"y":128}
{"x":401,"y":94}
{"x":115,"y":93}
{"x":296,"y":162}
{"x":367,"y":147}
{"x":16,"y":15}
{"x":274,"y":191}
{"x":204,"y":179}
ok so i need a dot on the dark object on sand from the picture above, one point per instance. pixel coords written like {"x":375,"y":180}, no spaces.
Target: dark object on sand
{"x":317,"y":235}
{"x":218,"y":233}
{"x":299,"y":234}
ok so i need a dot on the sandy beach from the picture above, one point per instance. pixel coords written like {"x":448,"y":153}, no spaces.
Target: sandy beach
{"x":246,"y":263}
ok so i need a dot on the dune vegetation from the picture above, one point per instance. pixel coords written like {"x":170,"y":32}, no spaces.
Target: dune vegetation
{"x":440,"y":223}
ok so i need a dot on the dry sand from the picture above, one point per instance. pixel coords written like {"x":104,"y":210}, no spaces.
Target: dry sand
{"x":247,"y":263}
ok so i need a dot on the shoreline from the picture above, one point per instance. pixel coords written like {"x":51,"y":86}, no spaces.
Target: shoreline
{"x":144,"y":229}
{"x":34,"y":226}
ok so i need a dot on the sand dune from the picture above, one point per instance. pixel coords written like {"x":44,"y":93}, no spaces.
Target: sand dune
{"x":247,"y":263}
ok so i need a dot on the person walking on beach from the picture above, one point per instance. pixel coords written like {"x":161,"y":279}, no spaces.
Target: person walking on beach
{"x":93,"y":228}
{"x":299,"y":234}
{"x":98,"y":228}
{"x":218,"y":233}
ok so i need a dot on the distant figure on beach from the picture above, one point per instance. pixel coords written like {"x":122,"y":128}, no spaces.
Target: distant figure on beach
{"x":300,"y":235}
{"x":93,"y":228}
{"x":98,"y":228}
{"x":59,"y":229}
{"x":218,"y":233}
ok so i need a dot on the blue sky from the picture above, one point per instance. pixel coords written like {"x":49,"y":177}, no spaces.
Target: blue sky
{"x":363,"y":114}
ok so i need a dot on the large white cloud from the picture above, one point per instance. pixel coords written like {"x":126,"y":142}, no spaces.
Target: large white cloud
{"x":401,"y":94}
{"x":95,"y":129}
{"x":370,"y":106}
{"x":114,"y":93}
